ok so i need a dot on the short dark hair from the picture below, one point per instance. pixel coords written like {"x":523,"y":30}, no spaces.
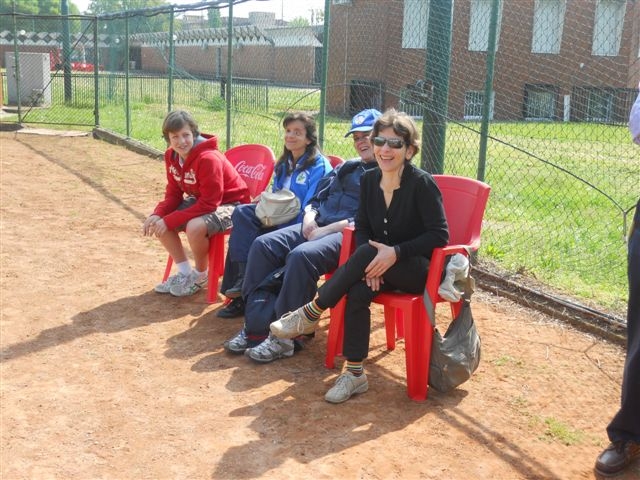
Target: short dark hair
{"x":402,"y":125}
{"x":176,"y":121}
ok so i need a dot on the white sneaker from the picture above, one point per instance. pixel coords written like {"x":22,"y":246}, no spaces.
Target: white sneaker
{"x":165,"y":286}
{"x":271,"y":349}
{"x":346,"y":385}
{"x":293,"y":324}
{"x":189,"y":285}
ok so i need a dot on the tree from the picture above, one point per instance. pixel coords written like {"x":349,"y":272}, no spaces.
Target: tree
{"x":213,"y":18}
{"x":299,"y":22}
{"x":37,"y":7}
{"x":137,"y":24}
{"x":32,"y":7}
{"x":317,"y":16}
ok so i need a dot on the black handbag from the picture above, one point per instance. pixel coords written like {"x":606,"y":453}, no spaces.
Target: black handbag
{"x":456,"y":355}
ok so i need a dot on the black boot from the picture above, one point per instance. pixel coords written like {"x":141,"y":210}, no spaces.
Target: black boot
{"x":236,"y":290}
{"x":235,"y":308}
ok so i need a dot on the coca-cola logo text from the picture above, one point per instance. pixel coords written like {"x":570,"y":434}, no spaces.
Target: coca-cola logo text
{"x":254,"y":172}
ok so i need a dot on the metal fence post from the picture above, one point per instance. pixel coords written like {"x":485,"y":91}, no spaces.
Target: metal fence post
{"x":488,"y":88}
{"x":16,"y":64}
{"x":96,"y":73}
{"x":126,"y":76}
{"x":228,"y":90}
{"x":172,"y":63}
{"x":66,"y":50}
{"x":325,"y":62}
{"x":436,"y":88}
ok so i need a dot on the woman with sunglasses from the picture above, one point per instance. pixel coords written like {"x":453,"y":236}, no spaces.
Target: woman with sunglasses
{"x":400,"y":221}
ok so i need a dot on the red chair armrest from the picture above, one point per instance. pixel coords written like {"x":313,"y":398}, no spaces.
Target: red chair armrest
{"x":348,"y":244}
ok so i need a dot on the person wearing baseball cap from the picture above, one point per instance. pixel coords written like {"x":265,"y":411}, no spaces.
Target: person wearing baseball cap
{"x":304,"y":252}
{"x":363,"y":121}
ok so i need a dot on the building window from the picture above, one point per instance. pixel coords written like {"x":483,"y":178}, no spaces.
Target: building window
{"x":540,"y":102}
{"x":607,"y":27}
{"x":599,"y":105}
{"x":473,"y":101}
{"x":414,"y":24}
{"x":479,"y":25}
{"x":548,"y":19}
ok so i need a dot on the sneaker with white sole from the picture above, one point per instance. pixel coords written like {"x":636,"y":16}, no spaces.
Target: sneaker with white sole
{"x":238,"y":344}
{"x":165,"y":287}
{"x":347,"y":385}
{"x":271,"y":349}
{"x":189,"y":285}
{"x":292,"y":324}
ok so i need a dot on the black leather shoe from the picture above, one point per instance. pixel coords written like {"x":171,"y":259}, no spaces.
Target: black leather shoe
{"x":234,"y":309}
{"x":616,"y":457}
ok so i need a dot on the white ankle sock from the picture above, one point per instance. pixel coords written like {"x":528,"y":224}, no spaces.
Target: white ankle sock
{"x":184,"y":267}
{"x":201,"y":274}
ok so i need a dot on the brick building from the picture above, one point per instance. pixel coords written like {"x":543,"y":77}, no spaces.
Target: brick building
{"x":555,"y":59}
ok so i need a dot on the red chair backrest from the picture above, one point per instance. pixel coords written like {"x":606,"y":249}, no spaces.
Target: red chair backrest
{"x":255,"y":164}
{"x":334,"y":160}
{"x":465,"y":200}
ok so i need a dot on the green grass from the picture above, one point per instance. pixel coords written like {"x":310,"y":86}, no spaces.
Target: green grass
{"x":560,"y":432}
{"x":559,"y":190}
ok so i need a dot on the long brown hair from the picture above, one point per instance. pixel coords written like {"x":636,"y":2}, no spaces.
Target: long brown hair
{"x":311,"y":134}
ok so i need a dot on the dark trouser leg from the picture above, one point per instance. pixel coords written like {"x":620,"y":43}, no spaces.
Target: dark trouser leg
{"x":246,"y":227}
{"x":268,"y":253}
{"x":305,"y":264}
{"x":408,"y":275}
{"x":626,"y":423}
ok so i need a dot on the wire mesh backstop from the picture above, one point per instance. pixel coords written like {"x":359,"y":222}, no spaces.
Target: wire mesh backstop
{"x":531,"y":96}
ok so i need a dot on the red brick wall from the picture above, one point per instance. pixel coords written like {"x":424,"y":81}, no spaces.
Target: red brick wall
{"x":372,"y":30}
{"x":294,"y":65}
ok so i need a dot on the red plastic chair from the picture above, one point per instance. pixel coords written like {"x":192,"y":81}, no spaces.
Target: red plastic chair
{"x":334,"y":160}
{"x":465,"y":200}
{"x":255,"y":164}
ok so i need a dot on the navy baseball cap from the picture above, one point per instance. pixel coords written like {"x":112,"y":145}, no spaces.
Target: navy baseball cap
{"x":363,"y":121}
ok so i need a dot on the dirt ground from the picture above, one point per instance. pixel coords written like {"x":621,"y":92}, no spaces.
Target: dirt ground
{"x":103,"y":378}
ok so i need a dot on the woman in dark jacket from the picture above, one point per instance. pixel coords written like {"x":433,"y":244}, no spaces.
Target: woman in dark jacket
{"x":400,"y":221}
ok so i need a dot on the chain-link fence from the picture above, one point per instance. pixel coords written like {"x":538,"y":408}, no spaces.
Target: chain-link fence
{"x":532,"y":96}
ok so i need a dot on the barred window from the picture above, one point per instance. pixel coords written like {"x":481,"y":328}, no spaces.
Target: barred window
{"x":540,"y":102}
{"x":473,"y":101}
{"x":599,"y":105}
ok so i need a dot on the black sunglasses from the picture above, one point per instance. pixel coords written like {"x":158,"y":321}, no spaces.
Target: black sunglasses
{"x":392,"y":142}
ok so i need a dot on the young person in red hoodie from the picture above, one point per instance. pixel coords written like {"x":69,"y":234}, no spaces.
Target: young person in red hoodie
{"x":202,"y":190}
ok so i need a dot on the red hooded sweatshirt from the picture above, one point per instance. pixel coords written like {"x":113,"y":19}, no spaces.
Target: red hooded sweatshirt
{"x":206,"y":175}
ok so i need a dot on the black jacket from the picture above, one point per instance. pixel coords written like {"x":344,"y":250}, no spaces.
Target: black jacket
{"x":415,"y":220}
